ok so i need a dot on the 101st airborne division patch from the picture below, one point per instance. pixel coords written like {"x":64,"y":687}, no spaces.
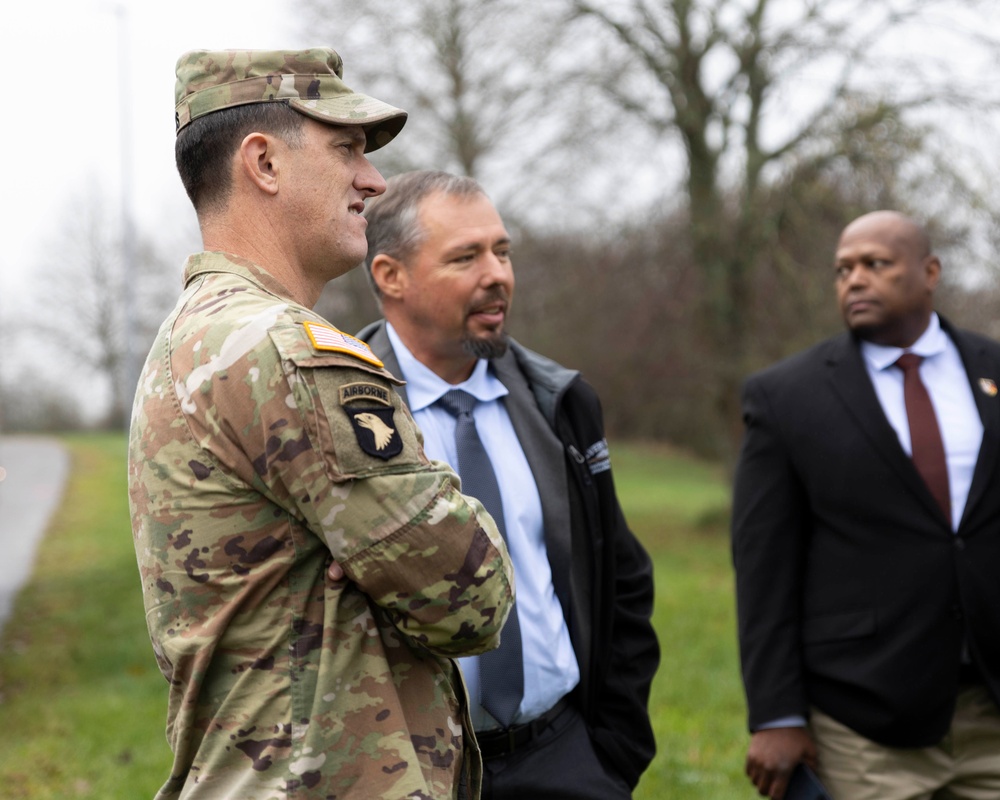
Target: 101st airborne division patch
{"x":370,"y":410}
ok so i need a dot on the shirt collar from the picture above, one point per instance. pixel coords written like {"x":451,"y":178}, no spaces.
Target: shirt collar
{"x":424,"y":387}
{"x":932,"y":342}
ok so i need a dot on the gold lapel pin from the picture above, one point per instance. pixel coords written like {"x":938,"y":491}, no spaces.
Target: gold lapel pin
{"x":988,"y":386}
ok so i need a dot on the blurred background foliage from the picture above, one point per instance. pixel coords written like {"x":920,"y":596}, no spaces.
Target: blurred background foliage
{"x":675,"y":174}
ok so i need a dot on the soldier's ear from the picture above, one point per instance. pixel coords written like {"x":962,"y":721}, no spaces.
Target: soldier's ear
{"x":257,"y":160}
{"x":389,"y":275}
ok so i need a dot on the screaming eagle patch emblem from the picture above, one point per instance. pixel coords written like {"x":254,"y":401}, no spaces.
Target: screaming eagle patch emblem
{"x":375,"y":430}
{"x":369,"y":408}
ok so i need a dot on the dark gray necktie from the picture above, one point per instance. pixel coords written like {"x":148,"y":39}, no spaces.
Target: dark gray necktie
{"x":501,"y":671}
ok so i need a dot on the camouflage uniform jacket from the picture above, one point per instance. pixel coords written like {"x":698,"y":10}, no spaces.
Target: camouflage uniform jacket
{"x":264,"y":443}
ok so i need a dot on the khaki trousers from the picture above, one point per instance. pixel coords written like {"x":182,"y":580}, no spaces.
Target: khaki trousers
{"x":965,"y":765}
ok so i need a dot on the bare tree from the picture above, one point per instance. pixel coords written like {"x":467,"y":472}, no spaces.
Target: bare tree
{"x":488,"y":86}
{"x":84,"y":299}
{"x":30,"y":401}
{"x":756,"y":128}
{"x":764,"y":92}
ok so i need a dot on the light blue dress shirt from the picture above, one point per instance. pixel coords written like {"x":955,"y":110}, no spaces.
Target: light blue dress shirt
{"x":550,"y":666}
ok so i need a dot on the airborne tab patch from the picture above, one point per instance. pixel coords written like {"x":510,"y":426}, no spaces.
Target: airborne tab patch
{"x":375,"y":430}
{"x":350,"y":392}
{"x":326,"y":337}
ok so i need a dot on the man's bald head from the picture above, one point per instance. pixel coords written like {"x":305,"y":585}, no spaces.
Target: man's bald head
{"x":902,"y":230}
{"x":886,"y":276}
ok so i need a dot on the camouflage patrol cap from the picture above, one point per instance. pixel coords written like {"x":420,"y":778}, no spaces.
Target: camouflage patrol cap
{"x":308,"y":80}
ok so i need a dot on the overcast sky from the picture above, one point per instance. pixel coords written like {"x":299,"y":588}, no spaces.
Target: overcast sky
{"x":62,"y":123}
{"x":64,"y":128}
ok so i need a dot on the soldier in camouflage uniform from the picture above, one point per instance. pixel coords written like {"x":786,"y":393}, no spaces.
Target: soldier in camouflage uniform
{"x":308,"y":574}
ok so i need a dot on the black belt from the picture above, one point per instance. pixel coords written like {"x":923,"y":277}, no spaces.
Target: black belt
{"x":497,"y":743}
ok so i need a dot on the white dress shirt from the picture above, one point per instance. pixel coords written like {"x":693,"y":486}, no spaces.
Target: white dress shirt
{"x":947,"y":382}
{"x":550,"y":666}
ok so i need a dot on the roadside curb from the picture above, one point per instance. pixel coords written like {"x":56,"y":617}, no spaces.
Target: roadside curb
{"x":33,"y":474}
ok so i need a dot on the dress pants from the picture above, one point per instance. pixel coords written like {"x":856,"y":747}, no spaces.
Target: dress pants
{"x":965,"y":765}
{"x":560,"y":763}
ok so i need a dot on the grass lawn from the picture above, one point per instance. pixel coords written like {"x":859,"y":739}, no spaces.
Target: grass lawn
{"x":679,"y":508}
{"x":83,"y":704}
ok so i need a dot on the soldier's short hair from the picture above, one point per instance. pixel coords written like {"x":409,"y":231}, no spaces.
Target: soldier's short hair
{"x":205,"y":147}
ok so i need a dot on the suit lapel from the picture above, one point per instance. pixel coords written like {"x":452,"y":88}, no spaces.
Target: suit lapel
{"x":849,"y":380}
{"x":548,"y":466}
{"x":979,"y":365}
{"x":378,"y":341}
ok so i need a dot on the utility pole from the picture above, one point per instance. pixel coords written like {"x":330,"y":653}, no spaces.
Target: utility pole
{"x":129,"y":372}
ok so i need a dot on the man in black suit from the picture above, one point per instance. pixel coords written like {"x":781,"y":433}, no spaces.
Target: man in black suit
{"x":866,"y":541}
{"x":439,"y":260}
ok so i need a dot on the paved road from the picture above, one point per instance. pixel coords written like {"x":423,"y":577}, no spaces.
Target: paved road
{"x":33,"y":472}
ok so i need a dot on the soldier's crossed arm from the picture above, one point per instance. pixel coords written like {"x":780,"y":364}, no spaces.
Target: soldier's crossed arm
{"x":395,"y":522}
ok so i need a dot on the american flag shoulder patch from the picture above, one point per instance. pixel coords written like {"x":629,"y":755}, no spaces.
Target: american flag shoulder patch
{"x":328,"y":338}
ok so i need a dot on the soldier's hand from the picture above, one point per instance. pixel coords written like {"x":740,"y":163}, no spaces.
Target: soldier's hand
{"x":335,"y":571}
{"x":772,"y":756}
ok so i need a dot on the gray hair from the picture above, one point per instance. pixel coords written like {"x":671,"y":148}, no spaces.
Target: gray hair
{"x":393,"y":224}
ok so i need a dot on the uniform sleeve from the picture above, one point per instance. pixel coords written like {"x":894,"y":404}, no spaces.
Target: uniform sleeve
{"x":397,"y":523}
{"x":330,"y":442}
{"x":768,"y":522}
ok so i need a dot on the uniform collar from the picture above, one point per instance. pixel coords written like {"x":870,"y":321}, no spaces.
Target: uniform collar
{"x":209,"y":262}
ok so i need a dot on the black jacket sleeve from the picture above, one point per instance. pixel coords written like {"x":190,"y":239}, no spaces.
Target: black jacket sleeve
{"x":625,"y":650}
{"x":768,"y":541}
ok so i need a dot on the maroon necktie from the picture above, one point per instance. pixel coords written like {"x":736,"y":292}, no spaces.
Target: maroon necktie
{"x":925,"y":436}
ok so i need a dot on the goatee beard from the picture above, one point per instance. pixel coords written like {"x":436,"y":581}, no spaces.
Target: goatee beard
{"x":491,"y":347}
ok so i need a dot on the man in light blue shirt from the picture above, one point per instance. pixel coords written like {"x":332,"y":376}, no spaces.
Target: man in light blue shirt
{"x":584,"y":651}
{"x":550,"y":668}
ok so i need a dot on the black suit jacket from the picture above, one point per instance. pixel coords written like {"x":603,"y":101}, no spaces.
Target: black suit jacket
{"x":600,"y":572}
{"x":853,"y":593}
